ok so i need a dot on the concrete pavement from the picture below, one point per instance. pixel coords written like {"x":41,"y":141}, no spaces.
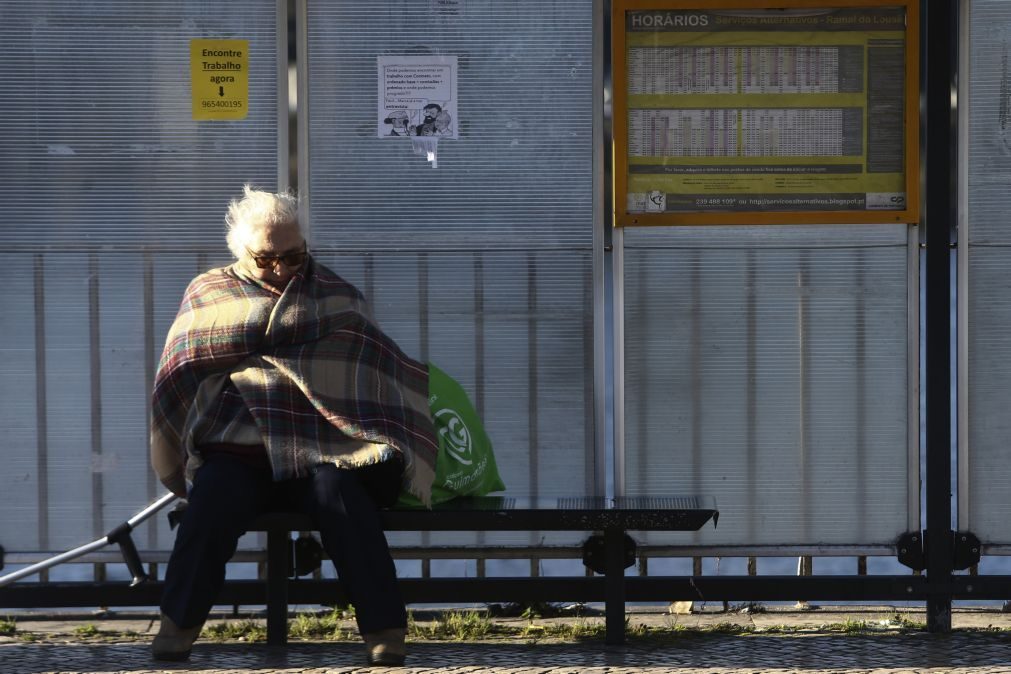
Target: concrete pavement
{"x":851,"y":640}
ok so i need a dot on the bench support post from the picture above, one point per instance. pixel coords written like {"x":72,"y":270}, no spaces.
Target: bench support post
{"x":277,"y":587}
{"x":614,"y":590}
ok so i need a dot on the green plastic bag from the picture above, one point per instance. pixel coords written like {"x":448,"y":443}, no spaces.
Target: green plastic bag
{"x":465,"y":465}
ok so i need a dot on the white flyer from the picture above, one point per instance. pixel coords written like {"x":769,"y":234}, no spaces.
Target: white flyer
{"x":417,"y":96}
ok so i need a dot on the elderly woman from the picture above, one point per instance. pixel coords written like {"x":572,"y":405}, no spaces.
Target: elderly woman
{"x":277,"y":390}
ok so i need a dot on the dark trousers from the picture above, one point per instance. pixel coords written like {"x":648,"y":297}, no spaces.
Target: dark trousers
{"x":229,"y":493}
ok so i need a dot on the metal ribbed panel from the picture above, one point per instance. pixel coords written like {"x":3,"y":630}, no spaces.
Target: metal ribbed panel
{"x":989,"y":111}
{"x":114,"y":199}
{"x":989,"y":374}
{"x":498,"y":292}
{"x":989,"y":258}
{"x":98,"y":144}
{"x":520,"y":174}
{"x":766,"y":367}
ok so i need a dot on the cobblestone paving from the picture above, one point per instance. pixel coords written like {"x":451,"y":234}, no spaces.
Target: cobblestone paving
{"x":958,"y":653}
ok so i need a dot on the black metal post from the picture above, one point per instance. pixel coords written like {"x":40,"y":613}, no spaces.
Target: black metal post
{"x":940,"y":81}
{"x":278,"y":544}
{"x":614,"y":593}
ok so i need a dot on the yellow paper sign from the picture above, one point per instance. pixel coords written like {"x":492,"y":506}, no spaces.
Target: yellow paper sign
{"x":219,"y":78}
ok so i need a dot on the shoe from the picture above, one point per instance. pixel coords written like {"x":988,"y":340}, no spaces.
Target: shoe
{"x":173,"y":642}
{"x":386,"y":647}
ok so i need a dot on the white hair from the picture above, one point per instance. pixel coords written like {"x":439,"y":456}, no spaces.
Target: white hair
{"x":258,"y":209}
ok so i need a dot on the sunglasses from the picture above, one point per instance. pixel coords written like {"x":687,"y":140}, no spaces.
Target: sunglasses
{"x":270,"y":261}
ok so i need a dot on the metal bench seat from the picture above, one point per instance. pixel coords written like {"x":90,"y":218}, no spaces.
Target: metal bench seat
{"x":609,"y":553}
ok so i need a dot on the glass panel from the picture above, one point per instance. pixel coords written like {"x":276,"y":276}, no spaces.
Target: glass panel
{"x":766,"y":367}
{"x":496,"y":289}
{"x":989,"y":236}
{"x":114,"y":199}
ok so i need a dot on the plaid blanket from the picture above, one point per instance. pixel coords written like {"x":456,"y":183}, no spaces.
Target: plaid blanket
{"x":321,"y":381}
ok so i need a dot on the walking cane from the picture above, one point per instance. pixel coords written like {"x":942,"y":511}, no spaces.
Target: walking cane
{"x":120,"y":535}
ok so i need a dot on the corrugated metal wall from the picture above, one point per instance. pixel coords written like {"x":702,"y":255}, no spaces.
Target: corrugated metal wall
{"x":483,"y":265}
{"x":114,"y":199}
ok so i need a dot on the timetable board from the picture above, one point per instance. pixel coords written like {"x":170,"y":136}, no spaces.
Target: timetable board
{"x":730,"y":113}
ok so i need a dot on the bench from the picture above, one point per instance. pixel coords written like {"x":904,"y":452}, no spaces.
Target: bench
{"x":608,"y":553}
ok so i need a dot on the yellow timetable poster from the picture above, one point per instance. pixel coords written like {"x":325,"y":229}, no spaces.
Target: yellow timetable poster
{"x":219,"y":78}
{"x":765,"y":110}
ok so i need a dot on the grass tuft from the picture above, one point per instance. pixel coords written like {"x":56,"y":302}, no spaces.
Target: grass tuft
{"x":454,"y":626}
{"x":328,"y":626}
{"x":240,"y":630}
{"x":88,"y":630}
{"x":582,"y":629}
{"x":849,"y":626}
{"x":347,"y":611}
{"x":639,"y":630}
{"x":904,"y":623}
{"x":8,"y":626}
{"x":730,"y":628}
{"x":782,"y":629}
